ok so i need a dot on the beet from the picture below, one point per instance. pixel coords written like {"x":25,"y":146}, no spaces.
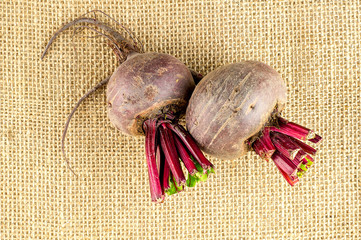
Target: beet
{"x":147,"y":85}
{"x":237,"y":107}
{"x":146,"y":95}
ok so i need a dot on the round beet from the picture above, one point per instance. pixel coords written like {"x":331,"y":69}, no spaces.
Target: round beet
{"x":238,"y":106}
{"x":231,"y":104}
{"x":146,"y":95}
{"x":145,"y":86}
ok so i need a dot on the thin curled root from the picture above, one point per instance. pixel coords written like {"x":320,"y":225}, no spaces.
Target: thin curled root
{"x":118,"y":52}
{"x":116,"y":36}
{"x":135,"y":39}
{"x":106,"y":80}
{"x":119,"y":44}
{"x":112,"y":44}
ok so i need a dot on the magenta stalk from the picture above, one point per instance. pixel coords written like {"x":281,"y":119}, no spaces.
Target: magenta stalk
{"x":192,"y":146}
{"x":170,"y":153}
{"x":167,"y":144}
{"x":282,"y":143}
{"x":188,"y":163}
{"x":150,"y":149}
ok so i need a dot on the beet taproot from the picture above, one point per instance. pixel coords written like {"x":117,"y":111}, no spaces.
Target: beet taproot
{"x":146,"y":95}
{"x":237,"y":107}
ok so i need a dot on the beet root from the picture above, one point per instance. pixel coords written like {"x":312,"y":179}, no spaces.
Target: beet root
{"x":147,"y":85}
{"x":146,"y":95}
{"x":237,"y":107}
{"x":232,"y":103}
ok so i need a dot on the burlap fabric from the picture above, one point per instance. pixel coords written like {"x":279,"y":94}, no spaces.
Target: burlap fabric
{"x":316,"y":48}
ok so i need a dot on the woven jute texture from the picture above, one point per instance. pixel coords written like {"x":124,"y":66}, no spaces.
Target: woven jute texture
{"x":315,"y":45}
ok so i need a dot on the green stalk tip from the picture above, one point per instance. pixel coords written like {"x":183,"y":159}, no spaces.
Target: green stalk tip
{"x":191,"y":181}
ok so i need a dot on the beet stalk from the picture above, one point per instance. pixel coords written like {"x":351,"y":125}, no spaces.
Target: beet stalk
{"x":153,"y":171}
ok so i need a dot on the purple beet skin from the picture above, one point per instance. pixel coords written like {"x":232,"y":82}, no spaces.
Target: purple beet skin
{"x":237,"y":107}
{"x":144,"y":86}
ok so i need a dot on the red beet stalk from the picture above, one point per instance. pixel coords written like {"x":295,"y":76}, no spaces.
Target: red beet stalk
{"x":170,"y":153}
{"x":188,"y":163}
{"x":192,"y":146}
{"x":150,"y":149}
{"x":165,"y":176}
{"x":260,"y":148}
{"x":167,"y":145}
{"x":284,"y":146}
{"x":307,"y":148}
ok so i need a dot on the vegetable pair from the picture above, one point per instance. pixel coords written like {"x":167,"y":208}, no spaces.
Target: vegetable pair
{"x":233,"y":107}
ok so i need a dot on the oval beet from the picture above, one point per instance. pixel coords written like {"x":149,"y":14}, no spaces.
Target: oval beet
{"x":231,"y":104}
{"x":237,"y":107}
{"x":146,"y":95}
